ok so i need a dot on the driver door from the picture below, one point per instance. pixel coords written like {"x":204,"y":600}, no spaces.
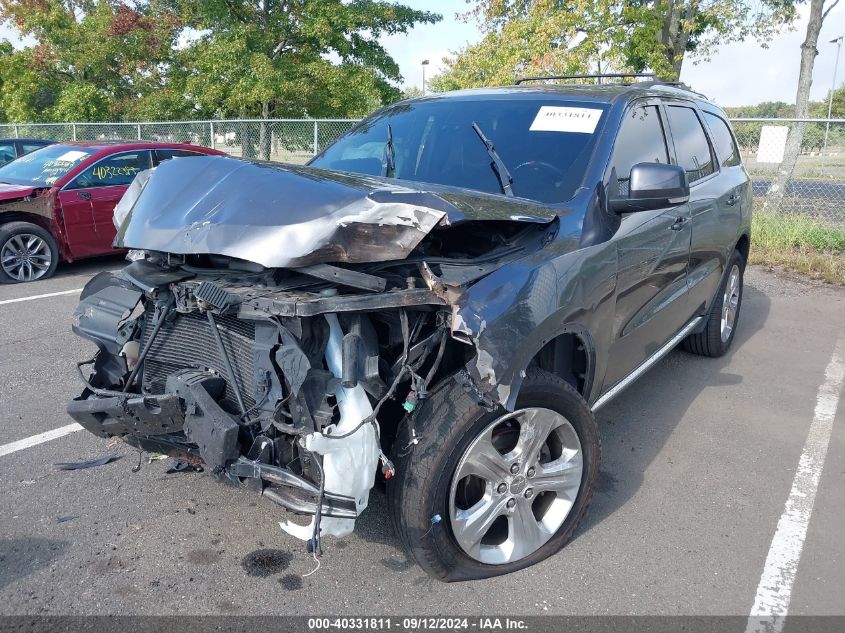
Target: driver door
{"x":88,"y":201}
{"x":652,"y":251}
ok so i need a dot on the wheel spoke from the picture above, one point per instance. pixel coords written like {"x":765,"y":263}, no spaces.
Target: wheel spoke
{"x":39,"y":266}
{"x":525,"y":533}
{"x":485,"y":461}
{"x":562,"y":476}
{"x":534,"y":428}
{"x":470,"y":525}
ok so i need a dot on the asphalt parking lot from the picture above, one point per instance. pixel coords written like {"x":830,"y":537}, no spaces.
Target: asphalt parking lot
{"x":700,"y":458}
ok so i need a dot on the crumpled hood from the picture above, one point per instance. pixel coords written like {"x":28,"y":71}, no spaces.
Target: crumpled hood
{"x":15,"y":192}
{"x":289,"y":216}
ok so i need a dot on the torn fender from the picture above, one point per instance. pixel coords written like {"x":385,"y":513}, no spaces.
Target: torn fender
{"x":512,"y":313}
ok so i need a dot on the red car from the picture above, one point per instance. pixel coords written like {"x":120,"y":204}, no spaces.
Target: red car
{"x":57,"y":202}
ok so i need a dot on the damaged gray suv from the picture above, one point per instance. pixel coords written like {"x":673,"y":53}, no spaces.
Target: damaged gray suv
{"x":441,"y":299}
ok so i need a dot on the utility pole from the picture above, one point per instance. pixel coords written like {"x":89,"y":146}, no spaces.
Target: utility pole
{"x":838,"y":42}
{"x":424,"y":64}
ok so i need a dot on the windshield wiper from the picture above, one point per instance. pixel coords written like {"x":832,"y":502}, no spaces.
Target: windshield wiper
{"x":498,"y":165}
{"x":388,"y":161}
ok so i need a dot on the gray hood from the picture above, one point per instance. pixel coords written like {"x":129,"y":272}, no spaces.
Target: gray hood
{"x":288,"y":216}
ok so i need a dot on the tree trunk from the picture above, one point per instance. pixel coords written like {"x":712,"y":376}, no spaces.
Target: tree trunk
{"x":774,"y":197}
{"x":264,"y":136}
{"x":673,"y":38}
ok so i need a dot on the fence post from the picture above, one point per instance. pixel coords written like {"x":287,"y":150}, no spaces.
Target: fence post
{"x":139,"y":131}
{"x":73,"y":130}
{"x":17,"y":134}
{"x":316,"y":139}
{"x":211,"y":133}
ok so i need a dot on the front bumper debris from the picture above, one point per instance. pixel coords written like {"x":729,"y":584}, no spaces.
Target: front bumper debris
{"x":188,"y":415}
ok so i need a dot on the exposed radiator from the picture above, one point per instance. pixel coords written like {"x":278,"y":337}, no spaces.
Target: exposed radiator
{"x":189,"y":342}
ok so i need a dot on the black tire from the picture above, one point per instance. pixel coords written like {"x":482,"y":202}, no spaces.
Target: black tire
{"x":709,"y":341}
{"x":446,"y":424}
{"x":10,"y":230}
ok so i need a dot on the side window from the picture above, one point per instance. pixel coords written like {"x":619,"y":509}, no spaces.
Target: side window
{"x":7,"y":153}
{"x":119,"y":169}
{"x":640,"y":140}
{"x":162,"y":155}
{"x":31,"y":147}
{"x":723,"y":139}
{"x":691,"y":144}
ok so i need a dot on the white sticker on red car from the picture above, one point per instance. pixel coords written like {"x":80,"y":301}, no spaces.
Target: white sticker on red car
{"x":566,"y":119}
{"x":72,"y":156}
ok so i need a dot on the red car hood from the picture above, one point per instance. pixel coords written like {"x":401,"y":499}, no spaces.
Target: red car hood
{"x":15,"y":192}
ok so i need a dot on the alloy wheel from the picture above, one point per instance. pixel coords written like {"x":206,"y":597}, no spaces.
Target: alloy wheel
{"x":515,"y":485}
{"x":25,"y":257}
{"x":730,"y":304}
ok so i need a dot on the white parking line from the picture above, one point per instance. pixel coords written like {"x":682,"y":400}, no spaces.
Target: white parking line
{"x":34,"y":440}
{"x":44,"y":296}
{"x":775,"y":589}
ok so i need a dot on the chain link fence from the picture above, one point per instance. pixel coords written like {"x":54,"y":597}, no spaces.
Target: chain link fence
{"x":816,"y":189}
{"x":284,"y":140}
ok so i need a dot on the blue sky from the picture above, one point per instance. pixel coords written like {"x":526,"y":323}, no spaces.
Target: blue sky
{"x":739,"y":74}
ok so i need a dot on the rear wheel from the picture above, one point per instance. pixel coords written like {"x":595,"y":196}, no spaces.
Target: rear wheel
{"x":487,"y":493}
{"x":716,"y":337}
{"x":27,"y":253}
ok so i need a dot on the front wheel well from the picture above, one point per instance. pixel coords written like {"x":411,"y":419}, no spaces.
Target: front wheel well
{"x":566,"y":357}
{"x":744,"y":246}
{"x":20,"y":216}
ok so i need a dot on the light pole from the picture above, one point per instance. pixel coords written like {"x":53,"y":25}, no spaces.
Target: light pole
{"x":424,"y":63}
{"x":838,"y":42}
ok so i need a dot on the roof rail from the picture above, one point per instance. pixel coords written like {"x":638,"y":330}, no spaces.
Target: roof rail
{"x":651,"y":76}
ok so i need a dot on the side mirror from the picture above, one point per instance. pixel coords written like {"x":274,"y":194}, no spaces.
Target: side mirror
{"x":653,"y":186}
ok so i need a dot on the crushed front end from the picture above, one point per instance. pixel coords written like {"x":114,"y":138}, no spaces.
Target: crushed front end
{"x":274,"y":379}
{"x":283,"y":345}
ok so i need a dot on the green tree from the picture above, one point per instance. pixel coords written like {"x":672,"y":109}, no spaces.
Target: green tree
{"x":91,"y":58}
{"x":818,"y":109}
{"x":290,"y":58}
{"x":115,"y":59}
{"x":524,"y":37}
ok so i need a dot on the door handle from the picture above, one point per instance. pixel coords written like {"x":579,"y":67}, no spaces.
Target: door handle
{"x":733,"y":200}
{"x":678,"y":224}
{"x":83,"y":194}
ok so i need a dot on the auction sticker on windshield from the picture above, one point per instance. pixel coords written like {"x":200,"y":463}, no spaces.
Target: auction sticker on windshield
{"x":566,"y":119}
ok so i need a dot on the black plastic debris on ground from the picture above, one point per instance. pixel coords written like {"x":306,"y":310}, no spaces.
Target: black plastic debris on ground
{"x":102,"y":461}
{"x":181,"y":466}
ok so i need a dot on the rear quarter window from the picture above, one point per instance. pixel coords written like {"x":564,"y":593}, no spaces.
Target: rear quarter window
{"x":723,"y":140}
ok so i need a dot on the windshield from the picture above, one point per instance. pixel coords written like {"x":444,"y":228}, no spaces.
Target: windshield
{"x":544,"y":144}
{"x":43,"y":167}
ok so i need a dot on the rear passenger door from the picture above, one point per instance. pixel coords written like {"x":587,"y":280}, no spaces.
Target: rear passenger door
{"x":652,"y":251}
{"x":714,"y":212}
